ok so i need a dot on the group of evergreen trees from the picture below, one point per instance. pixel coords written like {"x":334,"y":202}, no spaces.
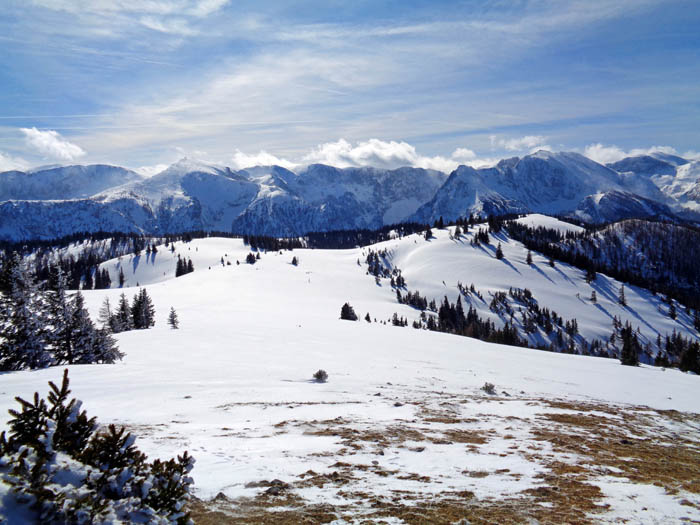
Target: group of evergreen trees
{"x":46,"y":327}
{"x":657,"y":256}
{"x":183,"y":267}
{"x":138,"y":315}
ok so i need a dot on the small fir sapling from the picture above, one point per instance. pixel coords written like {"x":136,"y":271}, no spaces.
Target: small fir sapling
{"x":173,"y":321}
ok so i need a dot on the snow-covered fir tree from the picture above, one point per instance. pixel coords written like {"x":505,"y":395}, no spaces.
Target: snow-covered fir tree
{"x":23,"y":324}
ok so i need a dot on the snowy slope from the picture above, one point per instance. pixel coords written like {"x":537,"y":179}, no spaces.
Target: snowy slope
{"x":232,"y":384}
{"x":537,"y":220}
{"x":435,"y":267}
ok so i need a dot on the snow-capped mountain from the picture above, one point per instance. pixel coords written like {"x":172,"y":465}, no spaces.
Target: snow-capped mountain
{"x":677,"y":180}
{"x":271,"y":200}
{"x":63,"y":182}
{"x":545,"y":182}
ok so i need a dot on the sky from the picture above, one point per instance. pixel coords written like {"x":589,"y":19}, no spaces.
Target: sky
{"x":143,"y":83}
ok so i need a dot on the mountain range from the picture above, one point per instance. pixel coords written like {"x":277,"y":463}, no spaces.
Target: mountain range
{"x":271,"y":200}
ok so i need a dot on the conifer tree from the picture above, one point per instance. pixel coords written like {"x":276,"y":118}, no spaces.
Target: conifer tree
{"x":142,"y":311}
{"x":61,"y":313}
{"x":106,"y":317}
{"x":122,"y":319}
{"x":172,"y":319}
{"x":121,"y":277}
{"x":499,"y":252}
{"x":348,"y":313}
{"x":629,"y":355}
{"x":621,"y":299}
{"x":23,"y":333}
{"x":178,"y":267}
{"x":528,"y":259}
{"x":87,"y":280}
{"x":82,"y":334}
{"x":672,"y":313}
{"x":594,"y":297}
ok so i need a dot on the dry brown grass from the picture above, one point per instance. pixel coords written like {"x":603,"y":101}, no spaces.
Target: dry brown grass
{"x":574,"y":442}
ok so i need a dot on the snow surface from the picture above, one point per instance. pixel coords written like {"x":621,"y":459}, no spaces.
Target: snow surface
{"x":535,"y":220}
{"x":232,"y":385}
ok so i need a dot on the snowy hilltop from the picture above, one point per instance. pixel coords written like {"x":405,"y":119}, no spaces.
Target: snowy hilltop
{"x":271,"y":200}
{"x":413,"y":422}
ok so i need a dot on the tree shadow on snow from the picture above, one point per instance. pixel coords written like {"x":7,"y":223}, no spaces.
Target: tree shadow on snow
{"x":135,"y":262}
{"x":508,"y":263}
{"x":537,"y":269}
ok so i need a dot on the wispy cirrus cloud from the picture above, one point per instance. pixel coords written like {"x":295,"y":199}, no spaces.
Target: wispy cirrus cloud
{"x":165,"y":16}
{"x":208,"y":74}
{"x":51,"y":144}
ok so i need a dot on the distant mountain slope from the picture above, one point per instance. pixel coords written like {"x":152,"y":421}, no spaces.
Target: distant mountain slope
{"x":544,"y":182}
{"x":612,"y":206}
{"x":65,"y":182}
{"x":271,"y":200}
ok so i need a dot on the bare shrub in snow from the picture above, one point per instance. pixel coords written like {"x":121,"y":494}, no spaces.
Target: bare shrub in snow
{"x":489,"y":388}
{"x":321,"y":376}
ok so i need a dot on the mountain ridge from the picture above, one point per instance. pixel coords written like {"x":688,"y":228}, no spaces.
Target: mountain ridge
{"x":272,"y":200}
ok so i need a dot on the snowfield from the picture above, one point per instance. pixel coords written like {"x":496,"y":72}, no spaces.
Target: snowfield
{"x":402,"y":428}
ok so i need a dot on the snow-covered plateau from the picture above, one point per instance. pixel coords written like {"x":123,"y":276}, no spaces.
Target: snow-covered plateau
{"x":403,"y":430}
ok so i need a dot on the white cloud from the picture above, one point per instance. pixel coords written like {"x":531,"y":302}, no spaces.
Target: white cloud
{"x":607,"y":154}
{"x":691,"y":155}
{"x":262,"y":158}
{"x":382,"y":154}
{"x":530,"y":143}
{"x":463,"y":154}
{"x":50,"y":144}
{"x":8,"y":163}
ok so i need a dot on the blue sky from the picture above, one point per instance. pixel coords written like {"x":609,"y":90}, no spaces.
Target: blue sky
{"x":142,"y":83}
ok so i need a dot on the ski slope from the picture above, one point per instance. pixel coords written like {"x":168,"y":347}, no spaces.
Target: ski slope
{"x":402,"y":419}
